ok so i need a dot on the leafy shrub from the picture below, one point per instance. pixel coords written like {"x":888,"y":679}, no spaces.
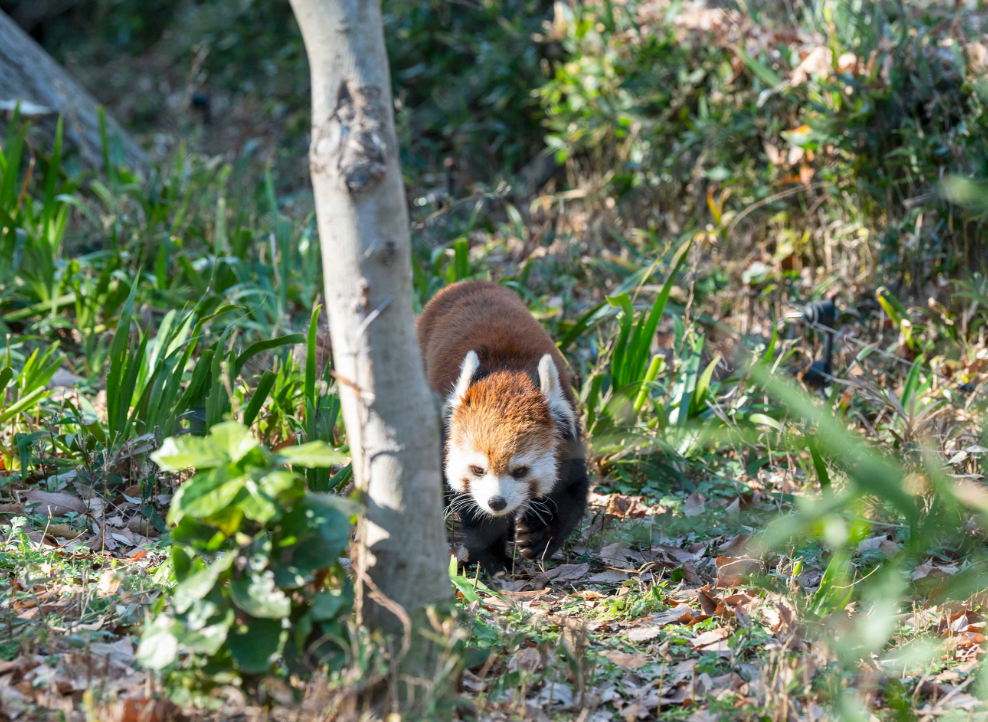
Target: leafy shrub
{"x":664,"y":108}
{"x":255,"y":561}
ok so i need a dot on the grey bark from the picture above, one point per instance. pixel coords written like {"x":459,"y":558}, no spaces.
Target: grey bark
{"x":391,"y":421}
{"x":30,"y":76}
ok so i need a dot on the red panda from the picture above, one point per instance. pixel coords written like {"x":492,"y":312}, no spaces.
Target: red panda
{"x":511,"y":439}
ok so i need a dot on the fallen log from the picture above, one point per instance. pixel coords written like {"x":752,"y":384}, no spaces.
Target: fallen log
{"x":32,"y":80}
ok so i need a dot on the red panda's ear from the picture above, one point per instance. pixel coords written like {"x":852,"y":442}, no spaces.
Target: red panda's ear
{"x":467,"y":371}
{"x":561,"y":411}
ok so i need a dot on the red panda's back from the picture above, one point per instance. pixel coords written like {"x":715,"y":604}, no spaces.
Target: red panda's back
{"x":486,"y":318}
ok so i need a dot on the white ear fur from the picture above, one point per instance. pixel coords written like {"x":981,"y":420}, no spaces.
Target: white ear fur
{"x":467,"y":371}
{"x":553,"y":392}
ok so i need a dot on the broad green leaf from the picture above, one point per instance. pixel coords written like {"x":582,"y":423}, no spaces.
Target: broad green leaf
{"x":210,"y":638}
{"x":317,"y":454}
{"x":159,"y":646}
{"x":259,"y":597}
{"x":330,"y":605}
{"x":227,"y":443}
{"x":316,"y":532}
{"x":234,"y":439}
{"x":188,"y":452}
{"x":205,"y":494}
{"x":277,"y":482}
{"x":198,"y":585}
{"x":259,"y":500}
{"x":255,"y":644}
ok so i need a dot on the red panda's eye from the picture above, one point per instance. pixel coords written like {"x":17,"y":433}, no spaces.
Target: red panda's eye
{"x":476,"y":471}
{"x":520,"y":472}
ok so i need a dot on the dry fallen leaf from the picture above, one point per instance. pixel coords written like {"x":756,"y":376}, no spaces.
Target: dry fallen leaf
{"x":109,"y":582}
{"x":623,"y":659}
{"x":568,"y":572}
{"x":616,"y":555}
{"x":731,"y":570}
{"x":818,"y":64}
{"x":680,"y":614}
{"x":139,"y":710}
{"x":528,"y":658}
{"x":645,"y":633}
{"x":710,"y":638}
{"x":608,"y":576}
{"x":694,"y":505}
{"x":736,"y":547}
{"x":54,"y":503}
{"x":625,"y":507}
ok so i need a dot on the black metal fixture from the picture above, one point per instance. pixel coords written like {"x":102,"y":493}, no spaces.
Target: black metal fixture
{"x":822,"y":316}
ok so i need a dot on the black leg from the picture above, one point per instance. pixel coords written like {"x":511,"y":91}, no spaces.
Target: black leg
{"x":540,"y":538}
{"x":486,"y":540}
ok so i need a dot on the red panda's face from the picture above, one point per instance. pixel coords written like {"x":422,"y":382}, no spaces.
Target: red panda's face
{"x":503,"y":436}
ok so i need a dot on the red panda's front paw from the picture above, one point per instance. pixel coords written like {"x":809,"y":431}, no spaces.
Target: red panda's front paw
{"x":533,"y":542}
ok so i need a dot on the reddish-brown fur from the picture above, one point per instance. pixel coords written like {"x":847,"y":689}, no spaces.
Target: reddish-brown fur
{"x":502,"y":416}
{"x":491,"y":320}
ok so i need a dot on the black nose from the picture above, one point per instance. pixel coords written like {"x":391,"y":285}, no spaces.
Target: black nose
{"x":497,"y":503}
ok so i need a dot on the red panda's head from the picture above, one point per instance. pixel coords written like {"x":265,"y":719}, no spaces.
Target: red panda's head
{"x":504,"y":434}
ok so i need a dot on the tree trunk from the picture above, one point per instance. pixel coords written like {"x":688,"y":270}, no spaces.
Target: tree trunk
{"x":391,"y":419}
{"x":29,"y":76}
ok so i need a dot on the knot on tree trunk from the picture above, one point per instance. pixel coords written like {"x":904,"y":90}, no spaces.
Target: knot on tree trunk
{"x":353,"y":142}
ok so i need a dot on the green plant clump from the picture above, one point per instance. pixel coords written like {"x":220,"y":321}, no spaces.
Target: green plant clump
{"x":255,"y":561}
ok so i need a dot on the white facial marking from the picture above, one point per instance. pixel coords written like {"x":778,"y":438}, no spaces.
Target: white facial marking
{"x":467,"y":371}
{"x":490,"y":487}
{"x":561,"y":411}
{"x":462,"y":462}
{"x":458,"y":463}
{"x":542,"y":470}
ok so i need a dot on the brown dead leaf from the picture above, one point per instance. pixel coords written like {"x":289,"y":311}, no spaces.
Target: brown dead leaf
{"x":694,"y":505}
{"x":644,"y":633}
{"x":818,"y":63}
{"x":731,"y":570}
{"x":976,"y":55}
{"x":608,"y":576}
{"x":871,"y":543}
{"x":54,"y":503}
{"x":691,"y":575}
{"x":10,"y":508}
{"x":625,"y":507}
{"x":847,"y":63}
{"x":742,"y":617}
{"x":568,"y":572}
{"x":710,"y":638}
{"x":527,"y":658}
{"x":736,"y":547}
{"x":141,"y":526}
{"x":109,"y":582}
{"x":888,"y":548}
{"x":64,"y":531}
{"x":674,"y":555}
{"x":680,"y":614}
{"x":708,"y":602}
{"x":41,"y":538}
{"x":120,"y":652}
{"x":139,"y":710}
{"x":590,"y":595}
{"x":616,"y":555}
{"x":623,"y":659}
